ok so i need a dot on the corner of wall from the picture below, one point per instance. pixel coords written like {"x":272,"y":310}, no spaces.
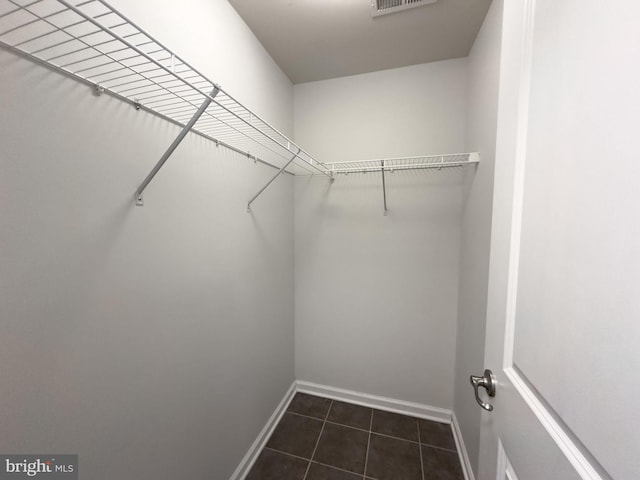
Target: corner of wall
{"x":482,"y":96}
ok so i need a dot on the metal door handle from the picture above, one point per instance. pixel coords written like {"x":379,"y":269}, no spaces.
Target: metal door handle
{"x":488,"y":382}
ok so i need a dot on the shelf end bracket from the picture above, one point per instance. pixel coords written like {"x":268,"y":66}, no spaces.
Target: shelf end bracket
{"x":384,"y":189}
{"x":174,"y":145}
{"x":273,"y":179}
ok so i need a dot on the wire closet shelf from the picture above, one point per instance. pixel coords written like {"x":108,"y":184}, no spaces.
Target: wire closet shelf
{"x":390,"y":165}
{"x":403,"y":163}
{"x":96,"y":44}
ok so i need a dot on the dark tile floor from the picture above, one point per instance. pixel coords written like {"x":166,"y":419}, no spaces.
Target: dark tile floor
{"x":323,"y":439}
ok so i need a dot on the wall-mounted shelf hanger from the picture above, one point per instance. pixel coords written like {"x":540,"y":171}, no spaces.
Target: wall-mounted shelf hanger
{"x":390,"y":165}
{"x":95,"y":43}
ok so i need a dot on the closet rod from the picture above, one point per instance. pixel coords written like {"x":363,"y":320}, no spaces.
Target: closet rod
{"x":271,"y":181}
{"x":174,"y":145}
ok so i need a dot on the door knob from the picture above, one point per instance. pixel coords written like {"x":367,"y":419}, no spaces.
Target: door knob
{"x":488,"y":382}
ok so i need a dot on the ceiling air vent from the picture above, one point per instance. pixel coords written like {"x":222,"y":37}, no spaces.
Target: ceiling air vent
{"x":383,"y":7}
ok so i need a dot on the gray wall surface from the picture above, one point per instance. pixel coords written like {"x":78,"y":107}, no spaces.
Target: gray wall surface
{"x":376,"y":297}
{"x":484,"y":70}
{"x":154,"y":342}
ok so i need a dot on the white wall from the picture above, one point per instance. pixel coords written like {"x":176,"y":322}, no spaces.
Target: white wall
{"x":482,"y":94}
{"x":376,"y":296}
{"x":154,"y":342}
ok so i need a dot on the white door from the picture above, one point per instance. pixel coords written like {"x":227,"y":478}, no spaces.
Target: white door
{"x":563,"y":319}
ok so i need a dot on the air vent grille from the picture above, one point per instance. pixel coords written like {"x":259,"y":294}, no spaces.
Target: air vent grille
{"x":384,"y":7}
{"x":387,"y":4}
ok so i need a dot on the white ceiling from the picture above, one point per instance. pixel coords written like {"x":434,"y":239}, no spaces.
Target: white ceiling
{"x":320,"y":39}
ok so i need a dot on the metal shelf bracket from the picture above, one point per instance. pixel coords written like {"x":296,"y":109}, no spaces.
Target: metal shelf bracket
{"x":384,"y":188}
{"x":280,"y":172}
{"x":174,"y":145}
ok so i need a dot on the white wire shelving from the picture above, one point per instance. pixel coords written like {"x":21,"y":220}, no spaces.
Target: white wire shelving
{"x":403,"y":163}
{"x":390,"y":165}
{"x":94,"y":43}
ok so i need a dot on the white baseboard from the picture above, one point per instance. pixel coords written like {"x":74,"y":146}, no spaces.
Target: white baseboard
{"x":254,"y":451}
{"x":462,"y":450}
{"x":427,"y":412}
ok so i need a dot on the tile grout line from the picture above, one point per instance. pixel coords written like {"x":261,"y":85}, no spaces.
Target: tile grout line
{"x":439,"y":448}
{"x":394,"y":438}
{"x":374,"y":433}
{"x":334,"y":423}
{"x":317,"y":441}
{"x":366,"y":458}
{"x":286,"y":453}
{"x":340,"y":469}
{"x":420,"y":448}
{"x":315,"y":461}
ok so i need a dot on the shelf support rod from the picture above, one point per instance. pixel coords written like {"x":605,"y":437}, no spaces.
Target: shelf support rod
{"x":272,"y":180}
{"x":384,"y":188}
{"x":174,"y":145}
